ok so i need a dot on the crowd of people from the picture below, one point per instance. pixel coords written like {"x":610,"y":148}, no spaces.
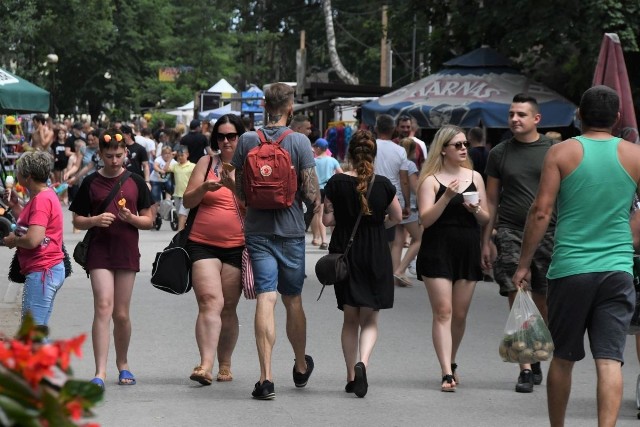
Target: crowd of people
{"x":530,"y":214}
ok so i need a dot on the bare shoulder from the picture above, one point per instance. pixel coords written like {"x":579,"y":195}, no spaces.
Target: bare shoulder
{"x":629,"y":155}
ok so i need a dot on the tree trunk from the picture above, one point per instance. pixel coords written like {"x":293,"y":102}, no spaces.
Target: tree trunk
{"x":343,"y":74}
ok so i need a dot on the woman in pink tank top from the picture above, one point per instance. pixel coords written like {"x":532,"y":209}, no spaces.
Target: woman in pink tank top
{"x":215,"y":246}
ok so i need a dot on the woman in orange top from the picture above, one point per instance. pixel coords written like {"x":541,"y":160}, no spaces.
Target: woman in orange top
{"x":215,"y":246}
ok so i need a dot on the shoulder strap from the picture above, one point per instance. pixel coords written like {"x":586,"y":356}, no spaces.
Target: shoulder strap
{"x":194,"y":210}
{"x":103,"y":207}
{"x":261,"y":136}
{"x":264,"y":140}
{"x":355,"y":227}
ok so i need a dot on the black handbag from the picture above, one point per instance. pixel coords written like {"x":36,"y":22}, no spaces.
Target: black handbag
{"x":334,"y":268}
{"x":81,"y":250}
{"x":171,"y":269}
{"x":17,"y":277}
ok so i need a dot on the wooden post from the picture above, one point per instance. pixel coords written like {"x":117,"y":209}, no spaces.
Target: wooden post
{"x":301,"y":66}
{"x":384,"y":50}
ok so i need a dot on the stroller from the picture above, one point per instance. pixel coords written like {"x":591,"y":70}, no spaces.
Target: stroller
{"x":167,"y":211}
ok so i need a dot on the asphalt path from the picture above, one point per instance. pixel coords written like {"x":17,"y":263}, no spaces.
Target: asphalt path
{"x":404,"y":376}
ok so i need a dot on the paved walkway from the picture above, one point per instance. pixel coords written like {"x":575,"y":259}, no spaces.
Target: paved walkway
{"x":404,"y":375}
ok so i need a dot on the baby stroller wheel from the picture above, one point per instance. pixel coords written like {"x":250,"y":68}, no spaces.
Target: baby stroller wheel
{"x":174,"y":220}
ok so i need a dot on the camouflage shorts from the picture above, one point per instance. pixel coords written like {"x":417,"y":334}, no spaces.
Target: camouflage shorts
{"x":508,"y":243}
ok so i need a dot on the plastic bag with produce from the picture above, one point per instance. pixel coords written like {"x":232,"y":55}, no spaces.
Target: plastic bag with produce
{"x":526,"y":336}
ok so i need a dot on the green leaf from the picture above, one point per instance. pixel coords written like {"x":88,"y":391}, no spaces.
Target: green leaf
{"x":13,"y":385}
{"x":84,"y":389}
{"x":21,"y":416}
{"x":54,"y":412}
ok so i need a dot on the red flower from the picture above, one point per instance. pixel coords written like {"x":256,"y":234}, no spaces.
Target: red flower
{"x":74,"y":408}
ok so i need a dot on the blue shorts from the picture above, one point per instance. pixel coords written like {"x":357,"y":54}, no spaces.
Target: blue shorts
{"x":40,"y":289}
{"x":277,"y":262}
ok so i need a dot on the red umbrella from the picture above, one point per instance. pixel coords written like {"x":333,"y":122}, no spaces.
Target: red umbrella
{"x":611,"y":71}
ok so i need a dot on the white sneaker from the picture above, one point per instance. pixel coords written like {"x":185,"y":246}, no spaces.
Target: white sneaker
{"x":412,"y":268}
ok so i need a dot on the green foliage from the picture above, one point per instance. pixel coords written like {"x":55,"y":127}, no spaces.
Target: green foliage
{"x":248,"y":41}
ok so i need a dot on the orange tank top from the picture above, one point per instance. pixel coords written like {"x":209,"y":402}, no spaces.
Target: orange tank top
{"x":217,"y":222}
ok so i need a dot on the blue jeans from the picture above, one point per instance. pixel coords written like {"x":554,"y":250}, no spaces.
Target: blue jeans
{"x":158,"y":187}
{"x":40,"y":290}
{"x":277,"y":262}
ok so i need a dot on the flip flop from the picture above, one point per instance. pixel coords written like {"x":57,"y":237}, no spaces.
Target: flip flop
{"x":98,"y":381}
{"x":404,"y":281}
{"x":126,"y":378}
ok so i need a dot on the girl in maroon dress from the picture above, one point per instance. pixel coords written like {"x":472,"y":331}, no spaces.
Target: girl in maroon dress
{"x":113,"y":258}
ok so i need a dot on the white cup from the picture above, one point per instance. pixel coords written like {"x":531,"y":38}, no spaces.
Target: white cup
{"x":471,"y":197}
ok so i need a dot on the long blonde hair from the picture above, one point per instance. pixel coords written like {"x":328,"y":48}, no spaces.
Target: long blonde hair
{"x":434,"y":162}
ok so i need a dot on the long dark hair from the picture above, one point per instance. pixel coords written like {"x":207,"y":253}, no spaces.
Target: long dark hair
{"x":362,"y":153}
{"x":227,"y":118}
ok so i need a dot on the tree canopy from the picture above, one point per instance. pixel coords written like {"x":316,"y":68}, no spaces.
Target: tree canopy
{"x":110,"y":51}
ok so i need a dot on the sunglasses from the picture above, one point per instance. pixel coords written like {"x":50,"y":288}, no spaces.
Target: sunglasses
{"x":459,"y":145}
{"x":228,"y":136}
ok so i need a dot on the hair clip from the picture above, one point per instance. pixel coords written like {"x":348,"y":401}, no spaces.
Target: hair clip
{"x":117,"y":136}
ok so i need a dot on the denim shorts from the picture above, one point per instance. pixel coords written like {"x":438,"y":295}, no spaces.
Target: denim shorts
{"x":157,"y":187}
{"x":277,"y":262}
{"x":40,"y":288}
{"x":599,"y":303}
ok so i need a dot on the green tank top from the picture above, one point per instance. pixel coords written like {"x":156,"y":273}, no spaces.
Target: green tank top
{"x":594,"y":201}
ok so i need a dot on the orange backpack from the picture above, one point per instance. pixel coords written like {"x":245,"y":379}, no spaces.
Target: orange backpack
{"x":270,"y":179}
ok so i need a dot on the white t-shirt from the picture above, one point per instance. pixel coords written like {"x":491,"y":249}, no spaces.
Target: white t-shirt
{"x":422,"y":146}
{"x":390,"y":160}
{"x":154,"y":176}
{"x":148,"y":144}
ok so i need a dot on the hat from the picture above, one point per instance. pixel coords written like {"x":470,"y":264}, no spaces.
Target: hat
{"x":77,"y":125}
{"x":321,"y":143}
{"x":195,"y":124}
{"x":126,"y":130}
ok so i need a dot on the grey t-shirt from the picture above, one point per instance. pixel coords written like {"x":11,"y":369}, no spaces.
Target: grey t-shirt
{"x":519,"y":174}
{"x":280,"y":222}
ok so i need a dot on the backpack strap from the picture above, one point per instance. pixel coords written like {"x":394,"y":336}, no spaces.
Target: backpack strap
{"x":264,"y":140}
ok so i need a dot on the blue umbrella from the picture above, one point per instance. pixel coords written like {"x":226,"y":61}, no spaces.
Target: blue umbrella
{"x":474,"y":88}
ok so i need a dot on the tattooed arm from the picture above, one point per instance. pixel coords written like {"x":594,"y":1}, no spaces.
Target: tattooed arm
{"x":310,"y":187}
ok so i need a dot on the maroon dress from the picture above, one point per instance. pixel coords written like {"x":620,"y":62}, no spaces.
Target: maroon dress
{"x":114,"y":247}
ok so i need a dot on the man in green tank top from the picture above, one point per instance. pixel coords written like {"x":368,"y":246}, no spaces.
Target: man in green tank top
{"x":593,"y":178}
{"x":513,"y":175}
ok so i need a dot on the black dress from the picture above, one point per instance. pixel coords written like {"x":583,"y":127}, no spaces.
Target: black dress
{"x":370,"y":282}
{"x":450,"y":247}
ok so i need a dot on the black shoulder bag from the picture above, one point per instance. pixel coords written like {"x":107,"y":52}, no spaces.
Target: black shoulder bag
{"x":334,"y":268}
{"x":82,"y":248}
{"x":171,"y":269}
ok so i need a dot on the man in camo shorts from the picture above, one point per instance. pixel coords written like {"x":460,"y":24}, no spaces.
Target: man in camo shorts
{"x":513,"y":174}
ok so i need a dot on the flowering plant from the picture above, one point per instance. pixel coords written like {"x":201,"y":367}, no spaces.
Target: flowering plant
{"x":36,"y":388}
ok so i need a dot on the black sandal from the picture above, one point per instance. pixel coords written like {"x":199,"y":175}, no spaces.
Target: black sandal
{"x":454,"y":366}
{"x":450,"y":381}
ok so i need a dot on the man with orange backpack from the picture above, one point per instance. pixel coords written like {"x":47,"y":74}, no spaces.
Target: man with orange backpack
{"x":274,"y":173}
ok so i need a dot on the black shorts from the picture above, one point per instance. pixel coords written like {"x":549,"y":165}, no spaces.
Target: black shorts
{"x":601,"y":304}
{"x":231,"y":256}
{"x":322,"y":195}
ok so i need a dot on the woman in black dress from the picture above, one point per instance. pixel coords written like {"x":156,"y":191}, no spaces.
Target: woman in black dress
{"x":449,"y":258}
{"x":370,"y":284}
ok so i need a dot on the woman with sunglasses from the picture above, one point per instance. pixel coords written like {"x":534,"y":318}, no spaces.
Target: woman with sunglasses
{"x":113,"y":258}
{"x":449,"y":257}
{"x":215,"y":247}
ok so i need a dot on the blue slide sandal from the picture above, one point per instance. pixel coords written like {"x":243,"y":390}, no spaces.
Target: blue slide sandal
{"x":126,"y":378}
